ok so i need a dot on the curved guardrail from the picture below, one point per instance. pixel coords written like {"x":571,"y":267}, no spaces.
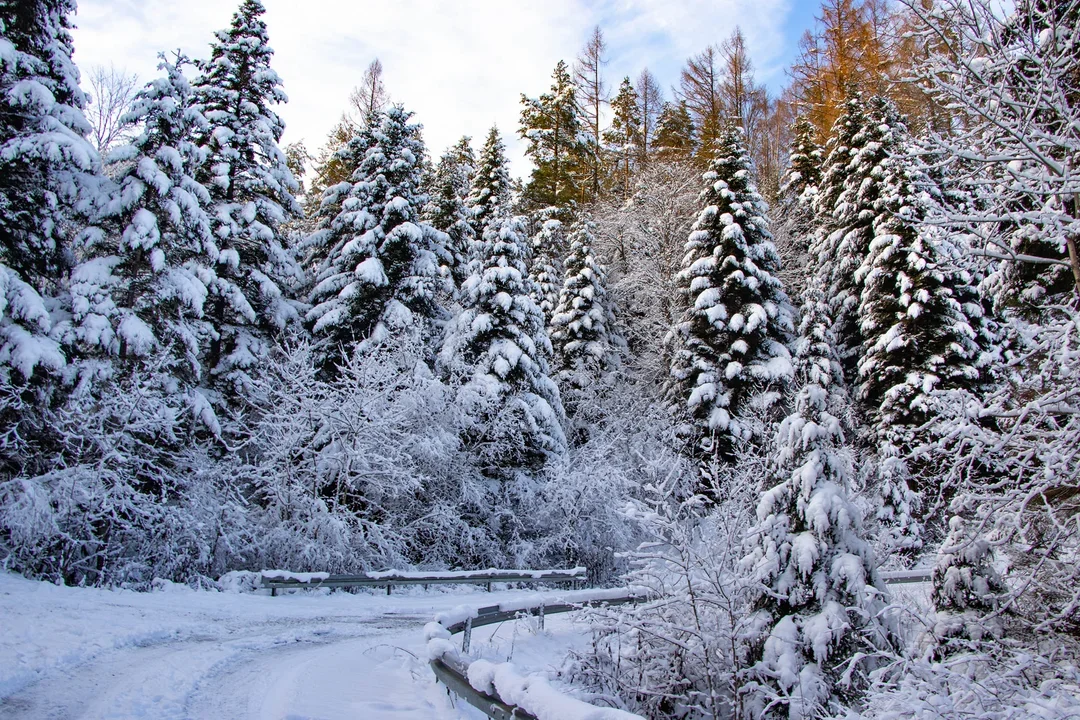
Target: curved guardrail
{"x":453,"y":671}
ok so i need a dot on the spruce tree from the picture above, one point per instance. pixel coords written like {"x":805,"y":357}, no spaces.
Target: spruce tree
{"x":674,"y":132}
{"x":624,"y":136}
{"x":544,"y":270}
{"x":143,"y":289}
{"x":729,"y":345}
{"x":377,"y":263}
{"x":251,"y":189}
{"x":816,"y":593}
{"x":499,"y":346}
{"x":553,"y":127}
{"x":844,"y":206}
{"x":803,"y":177}
{"x":917,"y":336}
{"x":966,"y":584}
{"x":48,"y":177}
{"x":490,"y":197}
{"x":583,"y":325}
{"x":447,"y":211}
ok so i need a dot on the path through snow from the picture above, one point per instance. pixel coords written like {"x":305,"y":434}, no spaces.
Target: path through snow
{"x":69,"y":653}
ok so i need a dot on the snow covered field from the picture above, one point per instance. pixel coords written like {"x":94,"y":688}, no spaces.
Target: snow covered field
{"x":179,"y":653}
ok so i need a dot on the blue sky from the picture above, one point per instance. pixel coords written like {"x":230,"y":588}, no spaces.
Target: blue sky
{"x":461,"y":65}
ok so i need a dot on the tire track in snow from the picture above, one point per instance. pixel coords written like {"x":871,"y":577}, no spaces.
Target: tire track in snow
{"x":262,"y":671}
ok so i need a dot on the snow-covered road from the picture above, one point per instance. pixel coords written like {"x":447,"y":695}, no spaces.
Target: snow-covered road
{"x":68,"y":653}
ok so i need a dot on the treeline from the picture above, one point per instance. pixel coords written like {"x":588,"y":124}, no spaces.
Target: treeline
{"x":200,"y":376}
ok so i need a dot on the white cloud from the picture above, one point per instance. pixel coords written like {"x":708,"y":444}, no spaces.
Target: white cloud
{"x":460,"y":65}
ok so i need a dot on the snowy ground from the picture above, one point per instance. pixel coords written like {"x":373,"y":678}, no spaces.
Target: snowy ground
{"x":93,"y":654}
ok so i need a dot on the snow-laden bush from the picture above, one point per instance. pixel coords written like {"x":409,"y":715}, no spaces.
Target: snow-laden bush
{"x":114,"y":484}
{"x":679,"y":654}
{"x":990,"y":681}
{"x":364,"y":470}
{"x":630,"y":445}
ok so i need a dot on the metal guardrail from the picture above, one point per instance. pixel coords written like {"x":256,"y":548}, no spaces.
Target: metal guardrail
{"x":903,"y":577}
{"x":390,"y":579}
{"x":453,"y":671}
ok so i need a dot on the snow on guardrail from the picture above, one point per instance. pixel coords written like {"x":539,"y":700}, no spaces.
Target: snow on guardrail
{"x":499,"y":689}
{"x":283,"y":579}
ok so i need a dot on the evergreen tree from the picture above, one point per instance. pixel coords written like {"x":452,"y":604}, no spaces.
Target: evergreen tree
{"x":251,"y":189}
{"x":917,"y":336}
{"x":729,"y":346}
{"x":490,"y":198}
{"x":48,"y":176}
{"x":447,"y":211}
{"x":624,"y":137}
{"x":844,"y":206}
{"x":675,"y":136}
{"x":143,"y":289}
{"x":544,"y":269}
{"x":553,"y":128}
{"x":377,"y":261}
{"x":816,"y":593}
{"x":805,"y":162}
{"x":498,"y":343}
{"x":966,"y":585}
{"x":795,"y":207}
{"x":583,"y":324}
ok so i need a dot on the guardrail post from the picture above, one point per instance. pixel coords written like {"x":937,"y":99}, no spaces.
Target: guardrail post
{"x":489,"y":586}
{"x":541,"y":615}
{"x":389,"y":587}
{"x":466,"y":638}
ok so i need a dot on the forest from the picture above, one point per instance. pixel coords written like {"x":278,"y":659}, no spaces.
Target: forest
{"x":749,"y":350}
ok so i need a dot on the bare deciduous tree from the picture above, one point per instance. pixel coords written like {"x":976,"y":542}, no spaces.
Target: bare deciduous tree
{"x":592,"y":94}
{"x":112,"y":91}
{"x":650,"y":102}
{"x":370,"y":96}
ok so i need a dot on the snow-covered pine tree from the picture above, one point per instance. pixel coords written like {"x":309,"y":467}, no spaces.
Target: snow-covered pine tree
{"x":48,"y":176}
{"x":966,"y":585}
{"x":816,"y":593}
{"x":446,"y":211}
{"x":251,"y":189}
{"x":376,"y":262}
{"x":844,"y":210}
{"x":544,"y":269}
{"x":729,"y":348}
{"x":796,"y":223}
{"x":499,"y":346}
{"x":583,"y":333}
{"x":805,"y":161}
{"x":917,"y":337}
{"x":490,"y":196}
{"x":141,"y":292}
